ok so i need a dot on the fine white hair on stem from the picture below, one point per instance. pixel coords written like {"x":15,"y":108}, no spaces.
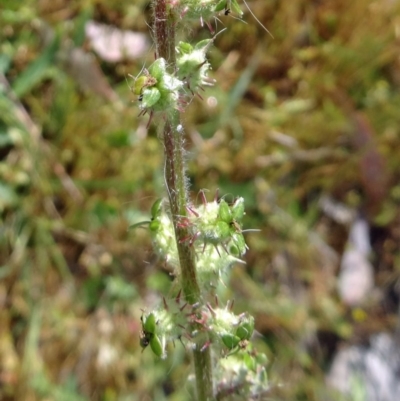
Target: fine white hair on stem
{"x":251,"y":12}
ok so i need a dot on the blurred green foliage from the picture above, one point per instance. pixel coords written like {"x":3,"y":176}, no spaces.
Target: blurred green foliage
{"x":312,"y":112}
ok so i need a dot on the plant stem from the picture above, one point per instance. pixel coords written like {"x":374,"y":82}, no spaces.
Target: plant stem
{"x":175,"y":178}
{"x":176,"y":186}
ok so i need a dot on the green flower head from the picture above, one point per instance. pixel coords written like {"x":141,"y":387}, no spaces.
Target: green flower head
{"x":157,"y":89}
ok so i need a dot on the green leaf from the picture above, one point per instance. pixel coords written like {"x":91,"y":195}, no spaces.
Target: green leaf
{"x":79,"y":25}
{"x":37,"y":70}
{"x":140,"y":224}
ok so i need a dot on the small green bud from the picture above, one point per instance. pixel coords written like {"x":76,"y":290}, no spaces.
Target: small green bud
{"x":146,"y":335}
{"x":157,"y":89}
{"x":192,"y":63}
{"x":184,"y":48}
{"x":156,"y":345}
{"x":246,"y":327}
{"x":231,"y":341}
{"x":158,"y":69}
{"x":243,"y":333}
{"x":222,"y":5}
{"x":156,"y":208}
{"x":238,"y":210}
{"x":222,"y":231}
{"x":227,"y":5}
{"x":214,"y":223}
{"x":224,"y":212}
{"x":237,"y":246}
{"x":249,"y":361}
{"x":162,"y":325}
{"x":142,"y":82}
{"x":149,"y":324}
{"x":150,"y":97}
{"x":154,"y":225}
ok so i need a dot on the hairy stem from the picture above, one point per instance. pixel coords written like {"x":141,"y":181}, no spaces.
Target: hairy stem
{"x":176,"y":186}
{"x":175,"y":178}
